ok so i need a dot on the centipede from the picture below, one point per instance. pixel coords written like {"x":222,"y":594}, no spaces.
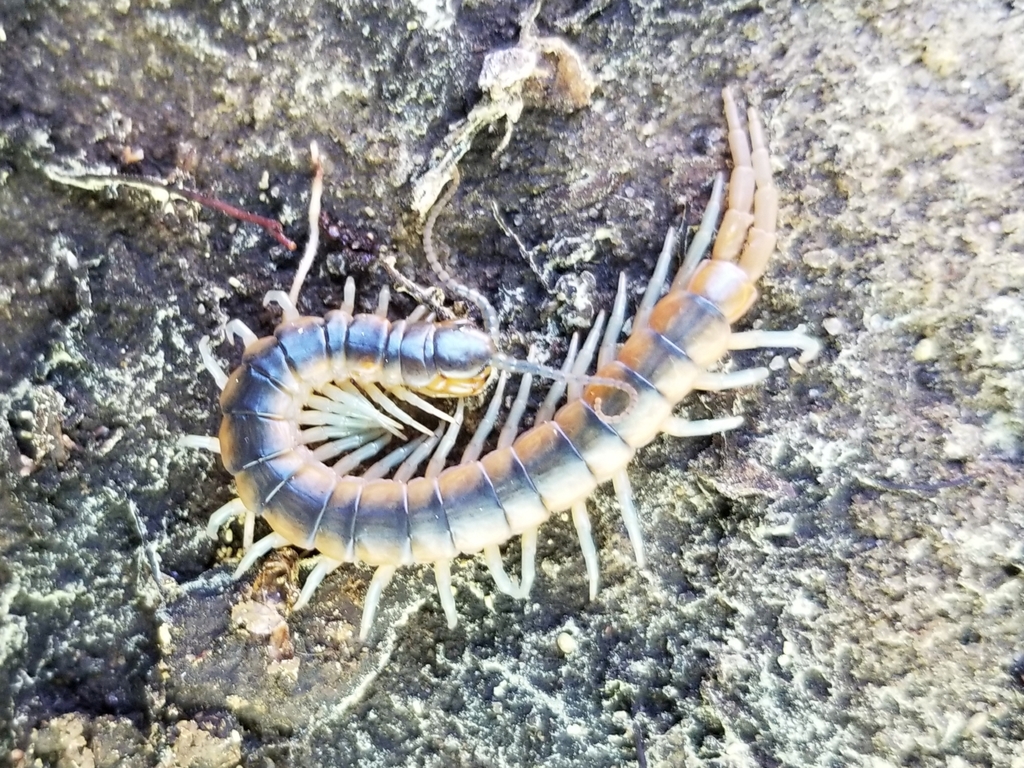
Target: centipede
{"x":309,"y":407}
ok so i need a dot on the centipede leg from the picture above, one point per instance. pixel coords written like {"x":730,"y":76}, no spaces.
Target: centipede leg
{"x":211,"y":364}
{"x":443,"y":577}
{"x":389,"y":407}
{"x":701,"y":241}
{"x":657,"y":282}
{"x":349,"y":463}
{"x":385,"y":464}
{"x":808,"y":345}
{"x":413,"y":399}
{"x":383,"y":301}
{"x":258,"y":550}
{"x":492,"y":556}
{"x":312,"y":244}
{"x":624,"y":495}
{"x":581,"y":520}
{"x":719,"y":382}
{"x":248,"y":530}
{"x":381,"y":578}
{"x":555,"y":392}
{"x":515,"y":413}
{"x":236,"y":329}
{"x":437,"y":461}
{"x":284,"y":302}
{"x":585,"y":358}
{"x":678,"y":427}
{"x":200,"y":442}
{"x":323,"y":568}
{"x":609,"y":344}
{"x":234,"y":508}
{"x":348,"y":303}
{"x":476,"y":444}
{"x":528,"y":570}
{"x":408,"y":468}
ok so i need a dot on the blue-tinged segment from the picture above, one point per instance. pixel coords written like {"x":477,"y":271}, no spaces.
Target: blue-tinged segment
{"x":246,"y":438}
{"x":659,"y":361}
{"x":693,"y":324}
{"x":557,"y":471}
{"x":597,"y":442}
{"x":257,"y":484}
{"x":335,"y":537}
{"x":523,"y":507}
{"x":295,"y":510}
{"x":475,"y":516}
{"x":266,"y":356}
{"x":637,"y":418}
{"x":249,"y":391}
{"x":428,"y":524}
{"x":304,"y":345}
{"x":382,"y":524}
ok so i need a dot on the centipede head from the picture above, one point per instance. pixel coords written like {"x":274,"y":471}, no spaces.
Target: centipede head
{"x":462,"y":360}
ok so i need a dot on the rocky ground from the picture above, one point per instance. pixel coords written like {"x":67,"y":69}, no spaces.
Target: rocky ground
{"x":836,"y":583}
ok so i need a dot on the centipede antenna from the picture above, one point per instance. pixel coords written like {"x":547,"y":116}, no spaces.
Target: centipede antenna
{"x":313,"y":243}
{"x":512,"y":365}
{"x":547,"y":408}
{"x":701,"y":241}
{"x":490,"y":316}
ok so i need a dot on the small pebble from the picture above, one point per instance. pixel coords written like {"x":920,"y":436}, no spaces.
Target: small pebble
{"x":925,"y":350}
{"x":834,"y":326}
{"x":567,"y":644}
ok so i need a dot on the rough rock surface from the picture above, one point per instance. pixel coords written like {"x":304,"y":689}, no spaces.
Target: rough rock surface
{"x":837,"y":583}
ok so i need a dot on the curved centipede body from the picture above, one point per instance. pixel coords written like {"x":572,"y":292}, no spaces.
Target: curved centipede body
{"x":298,"y":400}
